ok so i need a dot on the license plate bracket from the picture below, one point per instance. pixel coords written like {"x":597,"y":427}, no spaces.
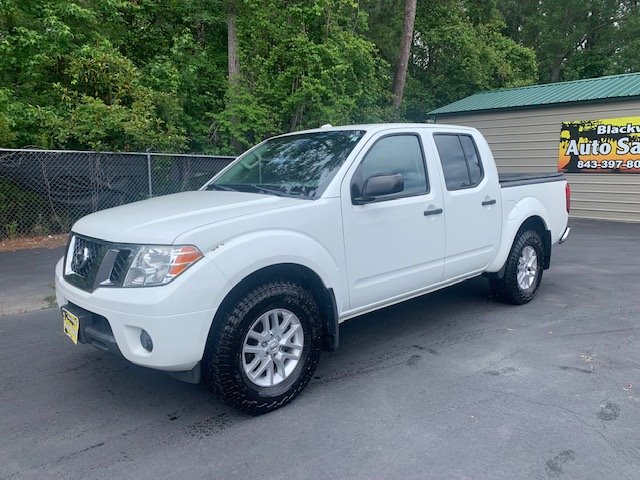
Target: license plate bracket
{"x":74,"y":321}
{"x":70,"y":325}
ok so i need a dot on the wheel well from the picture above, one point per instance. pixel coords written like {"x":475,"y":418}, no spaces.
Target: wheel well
{"x":537,"y":224}
{"x":307,"y":278}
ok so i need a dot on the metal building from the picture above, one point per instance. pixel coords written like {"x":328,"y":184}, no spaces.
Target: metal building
{"x":523,"y":127}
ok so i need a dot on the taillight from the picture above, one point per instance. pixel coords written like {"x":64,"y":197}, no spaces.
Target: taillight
{"x":567,"y":194}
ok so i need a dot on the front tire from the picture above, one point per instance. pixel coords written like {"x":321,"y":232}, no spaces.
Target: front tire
{"x":263,"y":349}
{"x":523,"y":270}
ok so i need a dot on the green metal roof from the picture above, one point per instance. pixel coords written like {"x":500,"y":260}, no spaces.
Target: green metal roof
{"x":591,"y":89}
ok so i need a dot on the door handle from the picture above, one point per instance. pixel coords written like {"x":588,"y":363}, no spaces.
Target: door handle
{"x":436,"y":211}
{"x":488,"y":202}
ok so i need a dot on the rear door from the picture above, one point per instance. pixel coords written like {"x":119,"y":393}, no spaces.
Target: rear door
{"x":471,"y":203}
{"x":394,"y":244}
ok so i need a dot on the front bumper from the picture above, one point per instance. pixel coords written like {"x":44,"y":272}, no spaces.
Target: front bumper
{"x":177,"y":317}
{"x":94,"y":329}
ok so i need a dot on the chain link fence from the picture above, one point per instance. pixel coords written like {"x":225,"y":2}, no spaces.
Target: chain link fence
{"x":43,"y":192}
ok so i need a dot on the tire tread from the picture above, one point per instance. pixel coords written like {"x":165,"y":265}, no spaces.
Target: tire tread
{"x":220,"y":374}
{"x":506,"y":289}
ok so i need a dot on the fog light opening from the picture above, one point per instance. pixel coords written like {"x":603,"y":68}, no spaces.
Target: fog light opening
{"x":145,"y":341}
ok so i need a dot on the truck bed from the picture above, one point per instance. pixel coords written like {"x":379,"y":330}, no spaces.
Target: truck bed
{"x":515,"y":179}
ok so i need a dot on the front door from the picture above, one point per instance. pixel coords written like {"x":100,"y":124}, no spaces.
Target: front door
{"x":394,"y":242}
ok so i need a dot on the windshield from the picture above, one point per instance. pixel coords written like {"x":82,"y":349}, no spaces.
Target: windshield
{"x":293,"y":166}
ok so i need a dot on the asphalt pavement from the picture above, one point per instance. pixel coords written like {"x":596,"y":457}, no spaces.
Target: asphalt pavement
{"x":26,"y":279}
{"x":448,"y":386}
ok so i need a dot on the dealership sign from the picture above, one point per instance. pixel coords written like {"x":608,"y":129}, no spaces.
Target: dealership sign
{"x":600,"y":146}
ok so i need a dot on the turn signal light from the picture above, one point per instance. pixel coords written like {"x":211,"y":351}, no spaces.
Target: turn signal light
{"x":184,"y":258}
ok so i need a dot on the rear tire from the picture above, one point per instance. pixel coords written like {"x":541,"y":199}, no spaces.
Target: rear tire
{"x":523,"y":270}
{"x":262,"y":351}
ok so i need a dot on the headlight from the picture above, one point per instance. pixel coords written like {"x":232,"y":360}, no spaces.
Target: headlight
{"x":157,"y":265}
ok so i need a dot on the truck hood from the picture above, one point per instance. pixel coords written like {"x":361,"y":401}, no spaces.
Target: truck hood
{"x":160,"y":220}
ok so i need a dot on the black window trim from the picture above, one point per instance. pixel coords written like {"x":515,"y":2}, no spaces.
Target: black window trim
{"x":475,"y":146}
{"x":400,"y":194}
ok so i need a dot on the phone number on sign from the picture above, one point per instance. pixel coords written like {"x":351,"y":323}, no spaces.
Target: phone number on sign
{"x":608,"y":164}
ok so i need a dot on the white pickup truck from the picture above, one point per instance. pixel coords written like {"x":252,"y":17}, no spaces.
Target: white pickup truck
{"x":243,"y":282}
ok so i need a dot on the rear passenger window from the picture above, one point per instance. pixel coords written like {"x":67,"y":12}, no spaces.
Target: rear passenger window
{"x":460,"y":160}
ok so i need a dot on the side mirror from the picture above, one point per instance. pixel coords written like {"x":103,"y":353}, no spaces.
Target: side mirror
{"x":380,"y":185}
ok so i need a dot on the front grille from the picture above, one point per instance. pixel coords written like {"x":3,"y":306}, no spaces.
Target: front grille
{"x":86,"y":257}
{"x":120,"y":266}
{"x":92,"y":263}
{"x":83,"y":261}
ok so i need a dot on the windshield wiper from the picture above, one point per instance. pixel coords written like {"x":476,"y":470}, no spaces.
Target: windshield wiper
{"x":249,"y":187}
{"x":215,"y":186}
{"x":272,"y":191}
{"x":280,"y":193}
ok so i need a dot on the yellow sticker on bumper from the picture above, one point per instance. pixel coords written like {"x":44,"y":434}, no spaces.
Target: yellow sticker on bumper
{"x":70,"y":325}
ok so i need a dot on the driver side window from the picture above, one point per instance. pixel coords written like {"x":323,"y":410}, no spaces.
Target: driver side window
{"x":394,"y":154}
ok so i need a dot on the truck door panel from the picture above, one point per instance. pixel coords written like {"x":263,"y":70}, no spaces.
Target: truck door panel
{"x":392,"y":246}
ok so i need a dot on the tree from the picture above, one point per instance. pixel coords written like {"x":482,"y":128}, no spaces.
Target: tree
{"x":303,"y":64}
{"x":233,"y":61}
{"x":233,"y":69}
{"x":574,"y":38}
{"x":459,"y":49}
{"x":405,"y":50}
{"x":627,"y":56}
{"x":161,"y":74}
{"x":71,"y":87}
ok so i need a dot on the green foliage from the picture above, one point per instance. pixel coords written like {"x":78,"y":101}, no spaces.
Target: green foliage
{"x":627,"y":58}
{"x":385,"y":26}
{"x":181,"y":50}
{"x":136,"y":74}
{"x":303,"y":64}
{"x":7,"y":136}
{"x":465,"y":54}
{"x":577,"y":39}
{"x":23,"y":212}
{"x":132,"y":75}
{"x":73,"y":88}
{"x":245,"y":120}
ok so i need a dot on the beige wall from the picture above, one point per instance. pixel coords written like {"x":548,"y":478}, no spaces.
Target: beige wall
{"x":527,"y":141}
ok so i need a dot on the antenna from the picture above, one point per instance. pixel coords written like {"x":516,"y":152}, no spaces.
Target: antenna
{"x":326,"y":125}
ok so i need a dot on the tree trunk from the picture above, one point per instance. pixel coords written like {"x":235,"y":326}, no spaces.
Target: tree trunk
{"x":233,"y":65}
{"x":232,"y":46}
{"x":405,"y":50}
{"x":554,"y":74}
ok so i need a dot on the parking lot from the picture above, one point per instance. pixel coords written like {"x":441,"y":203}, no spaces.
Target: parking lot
{"x":452,"y":385}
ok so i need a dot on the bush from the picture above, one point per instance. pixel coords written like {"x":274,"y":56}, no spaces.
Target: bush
{"x":24,"y":213}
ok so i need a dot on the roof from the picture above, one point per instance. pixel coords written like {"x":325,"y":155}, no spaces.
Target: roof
{"x":588,"y":90}
{"x":379,"y":127}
